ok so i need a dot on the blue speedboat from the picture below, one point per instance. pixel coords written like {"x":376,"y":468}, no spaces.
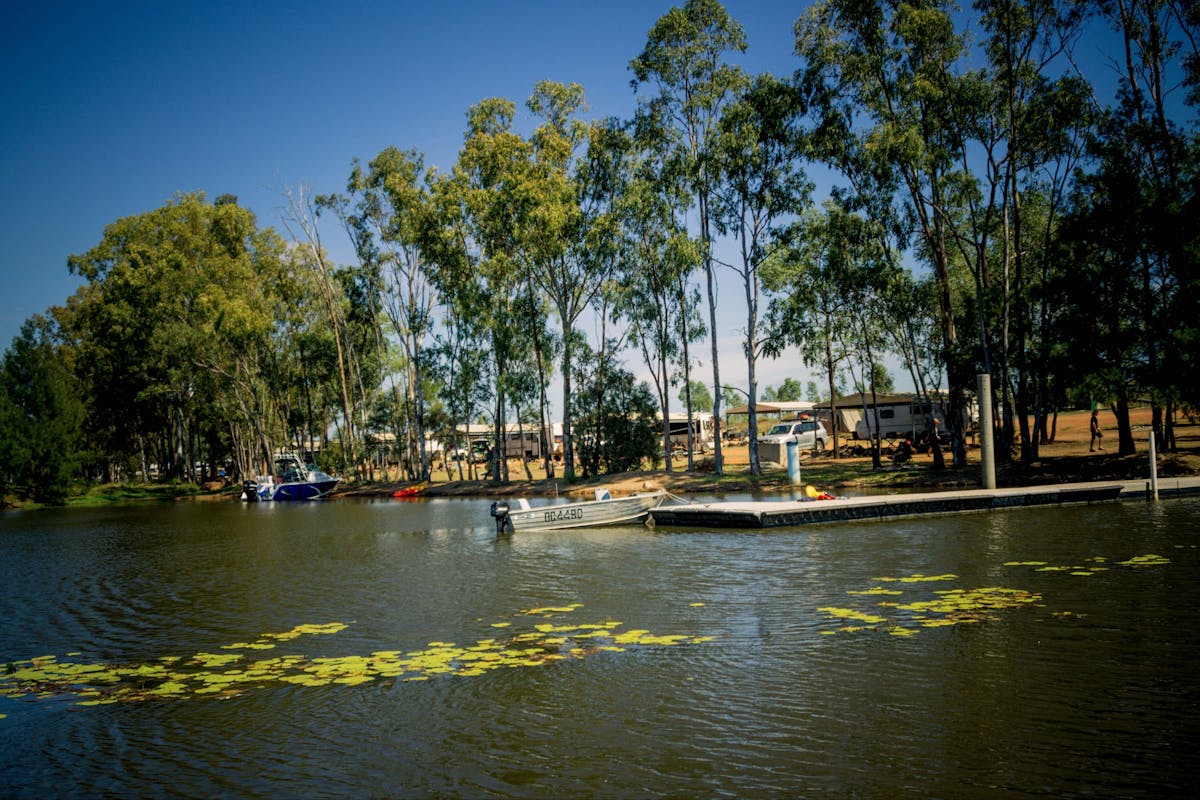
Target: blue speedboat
{"x":293,"y":480}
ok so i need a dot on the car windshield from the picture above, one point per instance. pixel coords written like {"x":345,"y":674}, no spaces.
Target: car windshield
{"x":779,"y":430}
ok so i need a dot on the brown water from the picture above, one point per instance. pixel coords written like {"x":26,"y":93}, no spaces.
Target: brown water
{"x":1087,"y":689}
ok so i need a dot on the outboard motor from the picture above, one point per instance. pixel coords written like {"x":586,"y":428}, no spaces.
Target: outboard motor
{"x":500,"y":512}
{"x":250,"y":491}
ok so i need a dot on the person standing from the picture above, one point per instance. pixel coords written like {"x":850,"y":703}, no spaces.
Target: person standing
{"x":1097,"y":434}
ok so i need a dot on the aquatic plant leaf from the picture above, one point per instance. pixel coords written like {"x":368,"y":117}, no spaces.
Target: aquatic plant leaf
{"x":212,"y":660}
{"x":917,"y":578}
{"x":1149,"y":560}
{"x":850,"y":613}
{"x":169,"y":688}
{"x":227,"y":674}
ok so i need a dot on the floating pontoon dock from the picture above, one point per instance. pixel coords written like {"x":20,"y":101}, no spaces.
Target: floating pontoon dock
{"x":778,"y":513}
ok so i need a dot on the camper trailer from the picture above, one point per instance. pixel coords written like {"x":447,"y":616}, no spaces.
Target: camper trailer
{"x":520,"y":441}
{"x":897,"y":418}
{"x":703,"y":432}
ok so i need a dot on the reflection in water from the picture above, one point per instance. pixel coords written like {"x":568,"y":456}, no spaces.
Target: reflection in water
{"x":1051,"y":656}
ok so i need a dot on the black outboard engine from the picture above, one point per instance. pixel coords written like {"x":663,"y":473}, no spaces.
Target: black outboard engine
{"x":500,"y":512}
{"x":250,"y":491}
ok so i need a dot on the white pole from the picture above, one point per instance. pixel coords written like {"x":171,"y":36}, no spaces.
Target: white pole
{"x":1153,"y":469}
{"x":986,"y":456}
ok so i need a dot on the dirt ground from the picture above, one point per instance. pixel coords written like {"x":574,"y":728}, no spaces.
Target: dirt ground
{"x":1066,"y":459}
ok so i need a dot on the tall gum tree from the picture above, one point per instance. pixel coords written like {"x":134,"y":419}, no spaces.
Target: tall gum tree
{"x":758,"y":151}
{"x":684,"y":59}
{"x":488,"y":185}
{"x":176,"y":300}
{"x":567,"y":235}
{"x":657,"y":257}
{"x":386,"y":212}
{"x":888,"y":67}
{"x":300,"y":221}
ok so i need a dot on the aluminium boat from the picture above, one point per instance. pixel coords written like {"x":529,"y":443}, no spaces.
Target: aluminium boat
{"x":518,"y":515}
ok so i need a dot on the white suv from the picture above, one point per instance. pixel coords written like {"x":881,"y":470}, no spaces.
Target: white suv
{"x":808,"y":434}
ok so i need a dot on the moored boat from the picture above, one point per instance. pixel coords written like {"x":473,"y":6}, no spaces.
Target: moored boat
{"x":294,"y":481}
{"x":604,"y":510}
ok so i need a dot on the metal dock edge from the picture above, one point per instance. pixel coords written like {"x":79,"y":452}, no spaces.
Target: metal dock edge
{"x":772,"y":514}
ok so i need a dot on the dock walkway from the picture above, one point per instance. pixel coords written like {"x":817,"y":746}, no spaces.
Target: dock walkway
{"x":771,"y":514}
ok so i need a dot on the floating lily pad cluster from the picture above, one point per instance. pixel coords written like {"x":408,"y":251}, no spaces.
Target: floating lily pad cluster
{"x":230,"y":673}
{"x":1092,"y":565}
{"x":929,"y":608}
{"x":944,"y":607}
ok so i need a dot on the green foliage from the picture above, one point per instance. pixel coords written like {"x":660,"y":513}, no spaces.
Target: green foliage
{"x":881,"y":379}
{"x":964,"y":231}
{"x":619,"y":428}
{"x":40,"y":417}
{"x":702,"y":399}
{"x":788,"y":391}
{"x":171,"y":335}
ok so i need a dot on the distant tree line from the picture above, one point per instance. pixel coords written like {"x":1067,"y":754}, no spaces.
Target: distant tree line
{"x":986,"y":212}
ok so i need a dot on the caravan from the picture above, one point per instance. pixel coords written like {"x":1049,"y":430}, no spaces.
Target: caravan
{"x":903,"y":419}
{"x":703,"y":432}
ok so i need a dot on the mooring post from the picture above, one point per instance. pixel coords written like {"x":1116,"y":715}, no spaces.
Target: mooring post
{"x":986,"y":457}
{"x":793,"y":461}
{"x":1153,"y":470}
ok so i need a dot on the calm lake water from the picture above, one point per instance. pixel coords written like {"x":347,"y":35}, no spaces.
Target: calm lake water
{"x":1078,"y":679}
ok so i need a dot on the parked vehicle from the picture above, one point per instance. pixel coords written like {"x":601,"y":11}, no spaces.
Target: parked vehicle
{"x":808,"y":434}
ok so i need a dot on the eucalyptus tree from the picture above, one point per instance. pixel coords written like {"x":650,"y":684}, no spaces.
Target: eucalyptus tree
{"x":387,"y":212}
{"x":172,"y":297}
{"x":809,"y":306}
{"x":300,"y":221}
{"x":759,"y":152}
{"x":569,"y":234}
{"x":1028,"y":124}
{"x":651,"y":287}
{"x":684,"y":59}
{"x":1149,"y":144}
{"x":483,"y":199}
{"x":884,"y":73}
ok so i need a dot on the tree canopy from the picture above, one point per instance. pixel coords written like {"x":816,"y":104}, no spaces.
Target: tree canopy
{"x":982,"y":209}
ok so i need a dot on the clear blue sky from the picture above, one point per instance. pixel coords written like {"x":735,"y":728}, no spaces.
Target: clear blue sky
{"x":109,"y":109}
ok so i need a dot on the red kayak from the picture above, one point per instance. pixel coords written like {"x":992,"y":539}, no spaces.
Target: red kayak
{"x":409,"y":491}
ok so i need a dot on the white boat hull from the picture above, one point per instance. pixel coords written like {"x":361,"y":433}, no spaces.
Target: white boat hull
{"x":593,"y":513}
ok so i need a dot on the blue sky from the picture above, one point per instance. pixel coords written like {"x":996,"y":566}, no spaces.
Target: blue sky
{"x":111,"y":109}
